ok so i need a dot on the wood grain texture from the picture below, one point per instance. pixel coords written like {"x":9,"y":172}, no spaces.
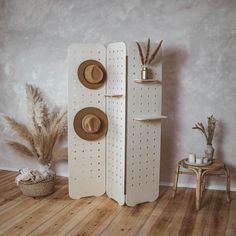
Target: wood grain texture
{"x":57,"y":214}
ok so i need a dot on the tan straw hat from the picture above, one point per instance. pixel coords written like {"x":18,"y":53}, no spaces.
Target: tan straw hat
{"x":90,"y":123}
{"x":92,"y":74}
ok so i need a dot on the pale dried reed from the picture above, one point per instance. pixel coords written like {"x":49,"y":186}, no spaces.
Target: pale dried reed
{"x":45,"y":131}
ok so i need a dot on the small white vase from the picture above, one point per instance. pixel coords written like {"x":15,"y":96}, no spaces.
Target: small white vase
{"x":209,"y":152}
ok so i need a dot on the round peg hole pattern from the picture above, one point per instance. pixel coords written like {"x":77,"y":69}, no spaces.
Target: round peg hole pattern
{"x":115,"y":108}
{"x":86,"y":158}
{"x":143,"y":137}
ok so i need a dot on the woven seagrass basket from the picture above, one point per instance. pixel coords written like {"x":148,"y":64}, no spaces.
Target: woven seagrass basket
{"x":43,"y":188}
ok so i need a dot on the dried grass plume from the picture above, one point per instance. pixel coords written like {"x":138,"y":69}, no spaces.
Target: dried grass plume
{"x":148,"y":59}
{"x":209,"y":131}
{"x":46,"y":129}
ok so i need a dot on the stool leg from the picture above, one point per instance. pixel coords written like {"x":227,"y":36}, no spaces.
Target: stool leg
{"x":203,"y":185}
{"x":198,"y":189}
{"x":227,"y":175}
{"x":176,"y":177}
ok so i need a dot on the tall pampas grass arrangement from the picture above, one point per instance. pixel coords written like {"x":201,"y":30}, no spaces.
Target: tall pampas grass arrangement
{"x":46,"y":129}
{"x":208,"y":131}
{"x":148,"y":58}
{"x":40,"y":138}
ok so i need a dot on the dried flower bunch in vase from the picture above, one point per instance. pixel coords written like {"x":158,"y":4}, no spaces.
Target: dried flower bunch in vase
{"x":39,"y":143}
{"x":147,"y":60}
{"x":209,"y":134}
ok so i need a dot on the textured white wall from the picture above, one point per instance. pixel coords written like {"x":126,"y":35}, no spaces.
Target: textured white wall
{"x":198,"y":63}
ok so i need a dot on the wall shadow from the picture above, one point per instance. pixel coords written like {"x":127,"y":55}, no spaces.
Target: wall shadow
{"x":173,"y":61}
{"x":219,"y":153}
{"x":218,"y":144}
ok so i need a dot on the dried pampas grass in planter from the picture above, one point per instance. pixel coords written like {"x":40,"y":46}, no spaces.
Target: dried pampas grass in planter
{"x":148,"y":59}
{"x":208,"y":132}
{"x":39,"y":143}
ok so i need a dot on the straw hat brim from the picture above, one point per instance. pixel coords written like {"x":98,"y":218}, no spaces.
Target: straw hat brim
{"x":78,"y":123}
{"x":82,"y":78}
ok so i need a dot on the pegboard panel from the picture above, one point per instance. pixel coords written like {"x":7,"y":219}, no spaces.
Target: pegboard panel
{"x":116,"y":109}
{"x":143,"y":137}
{"x":86,"y":158}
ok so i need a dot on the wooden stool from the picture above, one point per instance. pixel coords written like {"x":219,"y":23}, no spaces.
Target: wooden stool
{"x":216,"y":168}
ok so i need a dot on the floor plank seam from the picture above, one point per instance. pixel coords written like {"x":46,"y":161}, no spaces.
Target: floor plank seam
{"x":48,"y":217}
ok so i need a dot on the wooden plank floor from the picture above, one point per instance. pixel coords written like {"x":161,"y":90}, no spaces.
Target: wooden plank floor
{"x":57,"y":214}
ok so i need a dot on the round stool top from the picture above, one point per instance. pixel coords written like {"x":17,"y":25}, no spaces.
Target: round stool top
{"x":216,"y":164}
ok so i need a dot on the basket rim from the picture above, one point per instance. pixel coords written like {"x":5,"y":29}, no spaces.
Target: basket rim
{"x":28,"y":182}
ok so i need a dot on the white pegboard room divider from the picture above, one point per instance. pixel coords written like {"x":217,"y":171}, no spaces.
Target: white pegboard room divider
{"x":126,"y":162}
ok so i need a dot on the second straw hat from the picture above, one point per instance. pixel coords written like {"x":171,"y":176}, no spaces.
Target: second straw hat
{"x":92,"y":74}
{"x":90,"y":123}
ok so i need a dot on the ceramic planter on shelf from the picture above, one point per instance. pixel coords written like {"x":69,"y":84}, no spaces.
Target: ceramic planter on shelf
{"x":209,"y":152}
{"x":144,"y":72}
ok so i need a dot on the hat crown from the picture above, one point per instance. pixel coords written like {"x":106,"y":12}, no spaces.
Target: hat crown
{"x":93,"y":74}
{"x":91,"y":124}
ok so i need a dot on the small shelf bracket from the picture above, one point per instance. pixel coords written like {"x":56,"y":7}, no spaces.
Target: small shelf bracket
{"x":142,"y":81}
{"x":150,"y":118}
{"x":113,"y":95}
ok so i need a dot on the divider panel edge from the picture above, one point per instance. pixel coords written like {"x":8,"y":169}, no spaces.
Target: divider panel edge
{"x":143,"y":137}
{"x":116,"y":112}
{"x":86,"y":159}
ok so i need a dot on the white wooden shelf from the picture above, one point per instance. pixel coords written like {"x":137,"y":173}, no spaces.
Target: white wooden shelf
{"x":140,"y":81}
{"x":149,"y":117}
{"x":113,"y":95}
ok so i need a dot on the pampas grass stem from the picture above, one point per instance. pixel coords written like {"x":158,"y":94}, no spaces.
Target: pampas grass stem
{"x":155,"y":53}
{"x":147,"y":52}
{"x":20,"y":148}
{"x":140,"y":53}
